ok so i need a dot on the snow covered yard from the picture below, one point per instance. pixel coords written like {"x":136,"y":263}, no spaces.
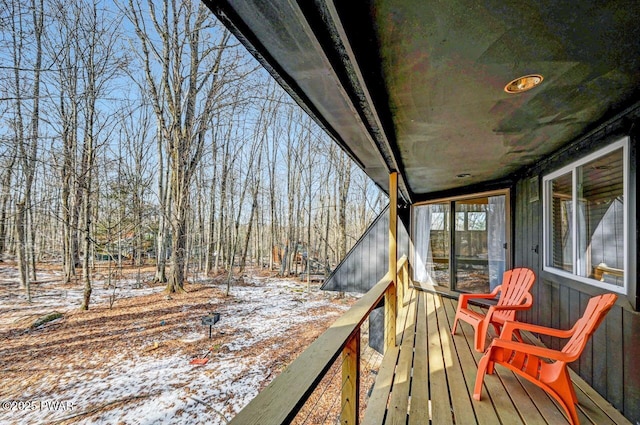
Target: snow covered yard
{"x":130,"y":364}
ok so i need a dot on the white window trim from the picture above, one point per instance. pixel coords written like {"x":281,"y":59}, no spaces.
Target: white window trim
{"x":624,"y":144}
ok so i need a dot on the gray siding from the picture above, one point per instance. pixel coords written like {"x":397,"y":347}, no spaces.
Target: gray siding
{"x":367,"y":261}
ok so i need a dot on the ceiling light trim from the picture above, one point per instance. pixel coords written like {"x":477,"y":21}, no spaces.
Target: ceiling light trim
{"x":524,"y":83}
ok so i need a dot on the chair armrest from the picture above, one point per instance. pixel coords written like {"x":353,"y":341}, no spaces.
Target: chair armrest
{"x":509,"y":327}
{"x":511,"y":307}
{"x":536,"y":350}
{"x":495,"y":308}
{"x":463,"y":299}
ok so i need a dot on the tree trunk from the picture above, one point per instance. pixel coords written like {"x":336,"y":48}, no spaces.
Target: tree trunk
{"x":254,"y":205}
{"x":21,"y":249}
{"x":175,"y":281}
{"x":7,"y":177}
{"x":164,"y":197}
{"x":344,"y":180}
{"x":211,"y":247}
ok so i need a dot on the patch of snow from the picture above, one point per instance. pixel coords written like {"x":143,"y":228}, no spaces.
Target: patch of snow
{"x":134,"y":388}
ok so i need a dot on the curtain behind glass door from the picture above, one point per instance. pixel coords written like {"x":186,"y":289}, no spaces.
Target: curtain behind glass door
{"x":479,"y":243}
{"x":431,"y":244}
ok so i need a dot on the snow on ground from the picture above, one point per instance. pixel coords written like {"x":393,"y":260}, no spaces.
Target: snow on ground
{"x":130,"y":364}
{"x":49,"y":294}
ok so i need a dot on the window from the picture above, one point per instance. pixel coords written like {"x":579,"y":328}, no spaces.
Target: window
{"x":477,"y":220}
{"x":439,"y":221}
{"x":586,"y":218}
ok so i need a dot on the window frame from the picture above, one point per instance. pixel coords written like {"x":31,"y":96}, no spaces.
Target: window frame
{"x":547,"y":217}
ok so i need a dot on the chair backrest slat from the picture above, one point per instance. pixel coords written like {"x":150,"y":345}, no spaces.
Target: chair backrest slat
{"x":516,"y":284}
{"x":594,"y":314}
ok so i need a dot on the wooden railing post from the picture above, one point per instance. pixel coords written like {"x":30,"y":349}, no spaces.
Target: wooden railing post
{"x":351,"y":381}
{"x":390,"y":299}
{"x":281,"y":401}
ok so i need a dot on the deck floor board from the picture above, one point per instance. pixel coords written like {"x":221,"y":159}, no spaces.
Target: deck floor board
{"x":485,"y":413}
{"x":429,"y":378}
{"x":399,"y":399}
{"x":419,"y":408}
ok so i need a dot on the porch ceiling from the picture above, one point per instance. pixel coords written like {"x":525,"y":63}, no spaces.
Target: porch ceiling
{"x":417,"y":86}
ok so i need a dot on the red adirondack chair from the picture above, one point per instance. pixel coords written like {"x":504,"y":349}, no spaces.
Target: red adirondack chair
{"x":514,"y":296}
{"x":531,"y":361}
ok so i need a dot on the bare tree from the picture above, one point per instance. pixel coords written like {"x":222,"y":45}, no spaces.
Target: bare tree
{"x":6,"y":178}
{"x":275,"y":133}
{"x":65,"y":25}
{"x":344,"y":181}
{"x":265,"y":119}
{"x":26,"y":67}
{"x":184,"y":52}
{"x":251,"y":165}
{"x":211,"y":242}
{"x":137,"y":128}
{"x":101,"y":63}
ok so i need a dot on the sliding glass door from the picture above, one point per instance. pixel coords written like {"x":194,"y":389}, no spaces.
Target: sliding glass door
{"x":479,"y":244}
{"x":472,"y":257}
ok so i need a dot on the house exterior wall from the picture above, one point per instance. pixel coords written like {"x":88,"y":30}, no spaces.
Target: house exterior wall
{"x":610,"y":361}
{"x":367,"y":262}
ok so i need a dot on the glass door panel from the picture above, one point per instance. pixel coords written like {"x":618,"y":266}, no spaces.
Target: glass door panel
{"x":479,"y":243}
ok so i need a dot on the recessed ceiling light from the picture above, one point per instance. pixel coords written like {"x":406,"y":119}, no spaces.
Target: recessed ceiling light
{"x":522,"y":84}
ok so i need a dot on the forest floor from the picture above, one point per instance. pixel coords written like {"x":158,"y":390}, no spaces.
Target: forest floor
{"x":128,"y":359}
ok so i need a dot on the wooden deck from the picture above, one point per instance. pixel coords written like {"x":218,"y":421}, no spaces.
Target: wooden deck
{"x":429,"y":378}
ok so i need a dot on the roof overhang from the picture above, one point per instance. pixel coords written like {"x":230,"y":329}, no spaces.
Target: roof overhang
{"x":418,"y":87}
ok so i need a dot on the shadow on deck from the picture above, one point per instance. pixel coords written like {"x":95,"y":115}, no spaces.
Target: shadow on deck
{"x":429,"y":378}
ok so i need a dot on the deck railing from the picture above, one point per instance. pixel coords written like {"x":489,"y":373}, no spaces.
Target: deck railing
{"x":282,"y":399}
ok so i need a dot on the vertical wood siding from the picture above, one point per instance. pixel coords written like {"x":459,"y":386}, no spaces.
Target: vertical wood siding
{"x":610,"y":362}
{"x":367,"y":261}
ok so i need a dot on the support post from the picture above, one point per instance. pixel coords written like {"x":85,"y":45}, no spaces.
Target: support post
{"x":390,"y":298}
{"x":405,"y":278}
{"x":399,"y":287}
{"x":351,"y":381}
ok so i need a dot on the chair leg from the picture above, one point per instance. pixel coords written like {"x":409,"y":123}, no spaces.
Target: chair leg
{"x":481,"y":330}
{"x":491,"y":367}
{"x":479,"y":341}
{"x":457,"y":317}
{"x":569,"y":408}
{"x":482,"y":368}
{"x":573,"y":414}
{"x":572,"y":390}
{"x":563,"y":387}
